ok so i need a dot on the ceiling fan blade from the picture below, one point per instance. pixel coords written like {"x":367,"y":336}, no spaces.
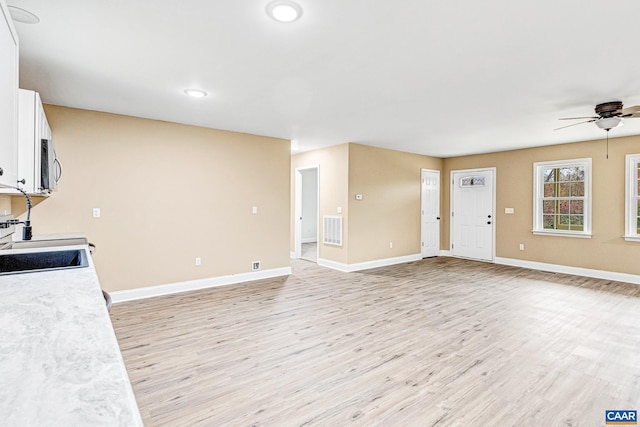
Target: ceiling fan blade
{"x":575,"y":124}
{"x":630,"y":110}
{"x":578,"y":118}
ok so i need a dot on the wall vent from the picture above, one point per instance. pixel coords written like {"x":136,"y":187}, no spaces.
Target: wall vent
{"x":332,"y":230}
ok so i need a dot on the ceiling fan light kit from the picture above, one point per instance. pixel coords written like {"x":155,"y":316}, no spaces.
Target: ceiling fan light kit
{"x":609,"y":115}
{"x":608,"y":123}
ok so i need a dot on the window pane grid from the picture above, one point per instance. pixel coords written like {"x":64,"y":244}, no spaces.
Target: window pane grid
{"x":563,"y":198}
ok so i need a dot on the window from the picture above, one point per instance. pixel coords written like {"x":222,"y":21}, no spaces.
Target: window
{"x":632,"y":198}
{"x":562,"y":198}
{"x":472,"y":181}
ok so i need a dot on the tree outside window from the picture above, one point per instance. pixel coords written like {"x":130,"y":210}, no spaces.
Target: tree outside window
{"x":563,"y":200}
{"x":562,"y":197}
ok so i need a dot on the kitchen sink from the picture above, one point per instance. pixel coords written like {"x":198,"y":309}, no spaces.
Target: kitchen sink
{"x":31,"y":262}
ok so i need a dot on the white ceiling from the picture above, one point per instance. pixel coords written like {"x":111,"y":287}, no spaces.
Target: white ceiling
{"x":442,"y":78}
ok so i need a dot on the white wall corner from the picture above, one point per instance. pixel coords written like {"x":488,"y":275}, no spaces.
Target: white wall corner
{"x":193,"y":285}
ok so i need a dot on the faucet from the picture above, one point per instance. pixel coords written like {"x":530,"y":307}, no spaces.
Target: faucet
{"x":27,"y":230}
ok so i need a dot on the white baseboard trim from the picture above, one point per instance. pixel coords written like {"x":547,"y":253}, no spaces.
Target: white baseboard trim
{"x":349,"y":268}
{"x":578,"y":271}
{"x":445,"y":253}
{"x":292,"y":255}
{"x":192,"y":285}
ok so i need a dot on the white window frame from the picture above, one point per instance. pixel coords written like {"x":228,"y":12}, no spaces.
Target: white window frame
{"x":630,"y":198}
{"x":538,"y":193}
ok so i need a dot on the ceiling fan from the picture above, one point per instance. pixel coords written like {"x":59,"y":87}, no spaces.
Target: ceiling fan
{"x":609,"y":115}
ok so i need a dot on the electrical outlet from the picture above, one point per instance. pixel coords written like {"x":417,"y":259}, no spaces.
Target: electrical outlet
{"x":255,"y":266}
{"x":96,"y":212}
{"x":522,"y":246}
{"x":390,"y":245}
{"x":254,"y":209}
{"x":198,"y":261}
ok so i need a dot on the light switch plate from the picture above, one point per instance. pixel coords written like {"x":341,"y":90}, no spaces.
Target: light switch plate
{"x":508,"y":210}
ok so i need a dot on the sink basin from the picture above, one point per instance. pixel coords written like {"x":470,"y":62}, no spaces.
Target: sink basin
{"x":32,"y":262}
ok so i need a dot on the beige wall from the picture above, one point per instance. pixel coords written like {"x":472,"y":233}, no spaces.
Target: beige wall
{"x":168,"y":193}
{"x":606,"y":250}
{"x":390,"y":210}
{"x":5,"y":204}
{"x":333,"y":163}
{"x":389,"y":182}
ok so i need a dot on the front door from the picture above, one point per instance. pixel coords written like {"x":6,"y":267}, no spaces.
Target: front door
{"x":472,"y":213}
{"x":430,"y":213}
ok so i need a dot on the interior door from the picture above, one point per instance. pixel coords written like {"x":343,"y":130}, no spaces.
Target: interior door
{"x":308,"y":209}
{"x":430,"y":213}
{"x":472,"y":214}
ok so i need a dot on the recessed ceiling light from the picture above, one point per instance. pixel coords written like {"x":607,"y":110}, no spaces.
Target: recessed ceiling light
{"x":24,"y":16}
{"x":196,"y":93}
{"x":284,"y":10}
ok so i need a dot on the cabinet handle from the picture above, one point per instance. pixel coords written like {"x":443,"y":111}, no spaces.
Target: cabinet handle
{"x":1,"y":171}
{"x":58,"y":171}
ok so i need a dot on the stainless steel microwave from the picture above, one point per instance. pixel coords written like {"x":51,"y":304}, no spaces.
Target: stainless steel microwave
{"x":50,"y":167}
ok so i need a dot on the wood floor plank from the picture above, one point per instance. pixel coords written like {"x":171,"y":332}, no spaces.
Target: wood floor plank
{"x":437,"y":342}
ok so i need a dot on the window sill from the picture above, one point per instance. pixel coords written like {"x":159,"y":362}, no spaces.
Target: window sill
{"x":563,"y":234}
{"x":632,"y":238}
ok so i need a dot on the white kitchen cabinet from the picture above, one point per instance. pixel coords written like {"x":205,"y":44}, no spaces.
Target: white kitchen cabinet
{"x":8,"y":98}
{"x":33,"y":128}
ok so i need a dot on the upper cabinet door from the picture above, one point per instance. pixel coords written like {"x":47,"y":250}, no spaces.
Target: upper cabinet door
{"x":8,"y":98}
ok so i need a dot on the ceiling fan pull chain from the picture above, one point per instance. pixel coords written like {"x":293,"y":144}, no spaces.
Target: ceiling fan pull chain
{"x":607,"y":143}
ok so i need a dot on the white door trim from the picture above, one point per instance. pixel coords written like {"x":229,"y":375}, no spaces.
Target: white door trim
{"x":493,"y":192}
{"x":297,"y":219}
{"x":422,"y":213}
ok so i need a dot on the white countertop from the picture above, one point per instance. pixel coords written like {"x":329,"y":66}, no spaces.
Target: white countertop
{"x":60,"y":364}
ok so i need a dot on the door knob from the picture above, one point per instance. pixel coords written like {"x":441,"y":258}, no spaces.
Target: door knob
{"x":438,"y":218}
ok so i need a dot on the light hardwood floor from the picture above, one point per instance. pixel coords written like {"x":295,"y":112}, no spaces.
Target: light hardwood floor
{"x":310,"y":252}
{"x":438,"y":342}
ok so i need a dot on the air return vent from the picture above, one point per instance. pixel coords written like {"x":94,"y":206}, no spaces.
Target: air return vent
{"x":332,"y":230}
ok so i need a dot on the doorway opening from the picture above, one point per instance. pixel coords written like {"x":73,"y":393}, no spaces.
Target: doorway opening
{"x":307,"y":192}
